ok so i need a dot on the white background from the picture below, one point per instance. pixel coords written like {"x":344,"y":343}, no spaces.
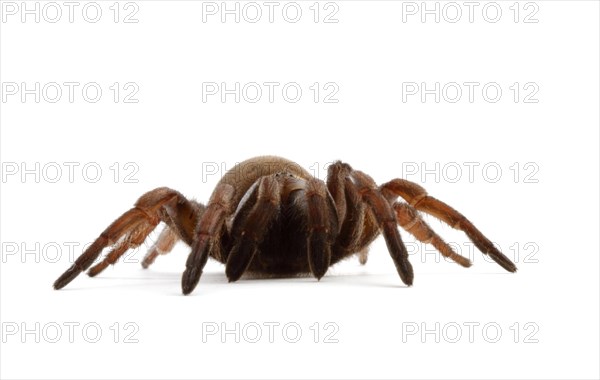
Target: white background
{"x":546,"y":213}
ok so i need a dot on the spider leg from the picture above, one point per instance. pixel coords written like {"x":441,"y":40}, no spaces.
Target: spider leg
{"x":322,"y":225}
{"x":165,"y":243}
{"x":410,"y":220}
{"x":129,"y":230}
{"x":251,"y":223}
{"x":386,"y":219}
{"x":180,"y":222}
{"x":133,"y":240}
{"x":363,"y":255}
{"x":180,"y":213}
{"x":417,"y":197}
{"x":337,"y":174}
{"x":351,"y":234}
{"x":358,"y":227}
{"x":207,"y":235}
{"x":350,"y":208}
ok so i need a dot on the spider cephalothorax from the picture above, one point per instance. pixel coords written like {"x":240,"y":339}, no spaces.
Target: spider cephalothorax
{"x":269,"y":216}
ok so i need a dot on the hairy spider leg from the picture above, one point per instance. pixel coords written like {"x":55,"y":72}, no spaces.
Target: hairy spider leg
{"x":410,"y":220}
{"x":387,"y":221}
{"x":358,"y":227}
{"x":164,"y":244}
{"x":183,"y":220}
{"x":207,"y":235}
{"x":129,"y":231}
{"x":417,"y":197}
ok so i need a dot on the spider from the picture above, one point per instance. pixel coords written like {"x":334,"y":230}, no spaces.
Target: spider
{"x":269,"y":216}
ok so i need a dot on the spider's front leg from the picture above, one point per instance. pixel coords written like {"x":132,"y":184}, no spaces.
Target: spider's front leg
{"x":323,"y":226}
{"x":357,"y":227}
{"x":131,"y":229}
{"x":207,"y":234}
{"x":255,"y":213}
{"x":261,"y":206}
{"x":351,"y":190}
{"x":388,"y":223}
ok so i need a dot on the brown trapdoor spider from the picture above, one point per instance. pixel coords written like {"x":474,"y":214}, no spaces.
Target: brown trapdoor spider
{"x":269,"y":216}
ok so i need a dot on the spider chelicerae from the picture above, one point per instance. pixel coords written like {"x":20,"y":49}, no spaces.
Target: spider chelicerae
{"x":269,"y":216}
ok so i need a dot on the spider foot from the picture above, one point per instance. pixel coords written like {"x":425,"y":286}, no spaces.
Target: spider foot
{"x":405,"y":270}
{"x":239,"y":259}
{"x":67,"y":277}
{"x":363,"y":256}
{"x":319,"y":254}
{"x":190,"y":279}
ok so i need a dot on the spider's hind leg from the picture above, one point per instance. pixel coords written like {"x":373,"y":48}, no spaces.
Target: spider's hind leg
{"x":363,"y":256}
{"x":128,"y":231}
{"x":417,"y":197}
{"x":165,"y":243}
{"x":180,"y":224}
{"x":410,"y":220}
